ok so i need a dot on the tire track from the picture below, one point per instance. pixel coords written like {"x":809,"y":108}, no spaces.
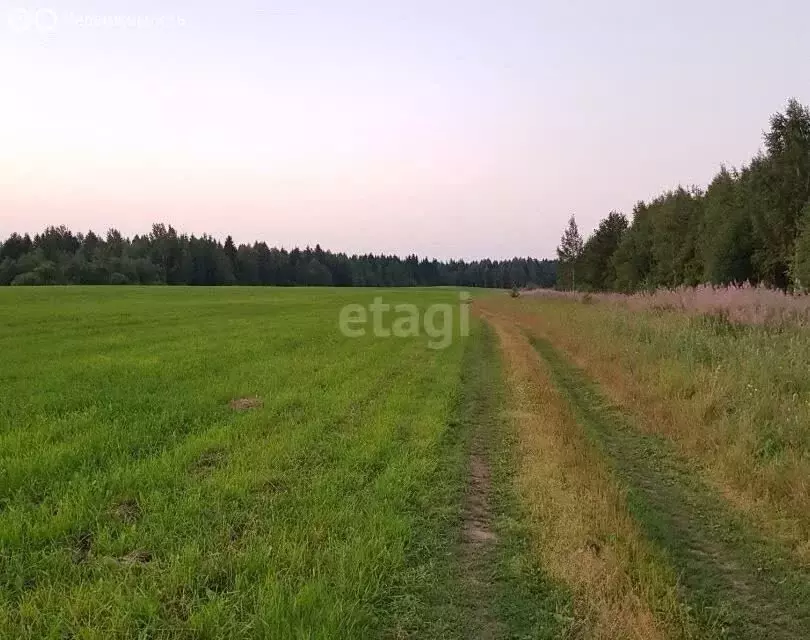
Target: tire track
{"x":739,"y":584}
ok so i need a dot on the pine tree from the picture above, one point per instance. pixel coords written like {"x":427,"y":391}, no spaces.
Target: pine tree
{"x":568,"y":253}
{"x":230,"y":251}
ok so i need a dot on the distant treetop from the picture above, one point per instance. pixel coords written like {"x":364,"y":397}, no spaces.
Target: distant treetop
{"x":58,"y":256}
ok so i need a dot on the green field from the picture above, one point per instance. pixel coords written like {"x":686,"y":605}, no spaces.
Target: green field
{"x":134,"y":500}
{"x":226,"y":463}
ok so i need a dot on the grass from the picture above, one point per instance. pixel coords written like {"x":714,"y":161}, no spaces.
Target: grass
{"x":207,"y":463}
{"x":135,"y":502}
{"x":737,"y":584}
{"x":578,"y":522}
{"x":733,"y":399}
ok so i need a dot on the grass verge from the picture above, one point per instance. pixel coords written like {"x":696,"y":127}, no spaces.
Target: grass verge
{"x":738,"y":584}
{"x":578,"y":522}
{"x":735,"y":400}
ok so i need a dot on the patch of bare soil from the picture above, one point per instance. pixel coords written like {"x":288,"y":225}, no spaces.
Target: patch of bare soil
{"x":477,"y":543}
{"x":477,"y":527}
{"x":245,"y":404}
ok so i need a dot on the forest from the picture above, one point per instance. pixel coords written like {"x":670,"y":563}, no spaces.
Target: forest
{"x":750,"y":225}
{"x":59,"y":256}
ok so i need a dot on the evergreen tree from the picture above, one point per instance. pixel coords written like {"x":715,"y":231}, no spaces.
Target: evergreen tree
{"x":568,"y":254}
{"x":230,"y":251}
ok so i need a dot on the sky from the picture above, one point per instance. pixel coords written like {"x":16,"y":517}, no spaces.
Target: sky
{"x":446,"y":128}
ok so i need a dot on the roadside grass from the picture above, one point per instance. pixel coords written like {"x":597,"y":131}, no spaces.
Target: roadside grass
{"x":494,"y":589}
{"x":739,"y":585}
{"x":734,"y":399}
{"x":506,"y":581}
{"x":577,"y":520}
{"x":135,"y":502}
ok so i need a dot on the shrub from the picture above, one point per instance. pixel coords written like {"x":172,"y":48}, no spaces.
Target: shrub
{"x":27,"y":279}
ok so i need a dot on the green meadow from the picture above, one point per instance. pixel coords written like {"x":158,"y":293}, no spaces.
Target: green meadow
{"x":299,"y":463}
{"x":138,"y":500}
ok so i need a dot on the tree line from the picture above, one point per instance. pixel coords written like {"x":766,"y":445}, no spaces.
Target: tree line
{"x":59,"y":256}
{"x":750,"y":224}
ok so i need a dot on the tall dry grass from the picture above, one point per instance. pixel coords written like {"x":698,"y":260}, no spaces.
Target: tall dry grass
{"x":581,"y":528}
{"x":743,"y":304}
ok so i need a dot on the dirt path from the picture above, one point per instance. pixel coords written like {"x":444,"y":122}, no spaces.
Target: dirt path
{"x":739,"y":585}
{"x":477,"y":551}
{"x":477,"y":529}
{"x":502,"y":591}
{"x":580,"y":526}
{"x":478,"y":544}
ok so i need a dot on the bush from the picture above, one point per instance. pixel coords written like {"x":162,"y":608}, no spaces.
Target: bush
{"x":29,"y":278}
{"x":8,"y":269}
{"x":118,"y":278}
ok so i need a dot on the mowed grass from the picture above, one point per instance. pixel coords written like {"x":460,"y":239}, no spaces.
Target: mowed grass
{"x":578,"y":521}
{"x":135,"y":502}
{"x":702,"y":423}
{"x":734,"y":399}
{"x":737,"y":584}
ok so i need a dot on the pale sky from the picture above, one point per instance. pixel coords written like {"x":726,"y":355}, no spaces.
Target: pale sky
{"x":449,"y":128}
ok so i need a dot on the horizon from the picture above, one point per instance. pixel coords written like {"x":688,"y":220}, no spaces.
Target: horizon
{"x":453,"y":132}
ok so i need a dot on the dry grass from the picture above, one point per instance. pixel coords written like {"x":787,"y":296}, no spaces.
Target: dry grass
{"x":735,"y":401}
{"x":579,"y":521}
{"x":743,"y":304}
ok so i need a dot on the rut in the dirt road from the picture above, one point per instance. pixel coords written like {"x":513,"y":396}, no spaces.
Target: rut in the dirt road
{"x":502,"y":593}
{"x":478,"y":539}
{"x":477,"y":529}
{"x":739,"y":584}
